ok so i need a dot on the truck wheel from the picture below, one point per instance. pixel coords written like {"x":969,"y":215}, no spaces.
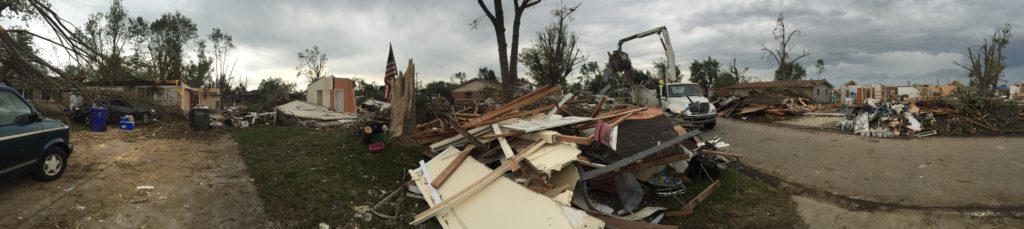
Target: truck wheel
{"x":710,"y":125}
{"x":53,"y":164}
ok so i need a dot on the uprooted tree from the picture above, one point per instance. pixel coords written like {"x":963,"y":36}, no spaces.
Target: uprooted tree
{"x":788,"y":68}
{"x":554,"y":54}
{"x":507,"y":62}
{"x":986,"y":62}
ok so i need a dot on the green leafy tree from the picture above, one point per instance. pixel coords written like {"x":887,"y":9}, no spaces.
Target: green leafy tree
{"x":986,"y":62}
{"x":820,"y":65}
{"x":554,"y":54}
{"x":439,"y":88}
{"x":705,"y":73}
{"x":592,"y":77}
{"x":168,"y":36}
{"x":112,"y":33}
{"x":782,"y":56}
{"x":660,"y":70}
{"x":485,"y":73}
{"x":369,"y":90}
{"x":312,"y":64}
{"x":459,"y":77}
{"x":275,"y":89}
{"x":795,"y":71}
{"x":197,"y":73}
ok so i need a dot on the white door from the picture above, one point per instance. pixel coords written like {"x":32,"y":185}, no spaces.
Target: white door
{"x":339,"y":100}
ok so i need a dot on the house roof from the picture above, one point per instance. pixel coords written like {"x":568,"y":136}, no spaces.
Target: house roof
{"x":781,"y":84}
{"x":486,"y":83}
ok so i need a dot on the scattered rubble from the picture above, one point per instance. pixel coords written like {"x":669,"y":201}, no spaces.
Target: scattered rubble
{"x":766,"y":105}
{"x":525,"y":153}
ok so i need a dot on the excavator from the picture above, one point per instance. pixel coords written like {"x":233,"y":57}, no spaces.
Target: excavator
{"x":685,"y":101}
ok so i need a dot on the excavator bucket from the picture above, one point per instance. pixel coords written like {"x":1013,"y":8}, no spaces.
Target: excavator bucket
{"x":619,"y":61}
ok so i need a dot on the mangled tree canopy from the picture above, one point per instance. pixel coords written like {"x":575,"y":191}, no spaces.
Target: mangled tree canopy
{"x":19,"y":63}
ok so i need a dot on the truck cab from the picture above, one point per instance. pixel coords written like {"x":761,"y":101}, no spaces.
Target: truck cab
{"x":686,"y":101}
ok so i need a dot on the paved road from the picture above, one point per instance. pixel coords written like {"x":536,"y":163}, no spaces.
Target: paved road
{"x":928,"y":172}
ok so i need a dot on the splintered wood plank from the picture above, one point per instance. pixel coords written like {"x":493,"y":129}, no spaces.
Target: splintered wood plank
{"x":441,"y":178}
{"x":505,"y":148}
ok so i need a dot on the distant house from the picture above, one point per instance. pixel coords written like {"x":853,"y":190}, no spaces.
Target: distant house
{"x":476,"y":90}
{"x":337,"y":94}
{"x":817,"y":90}
{"x":936,"y":91}
{"x":853,"y":94}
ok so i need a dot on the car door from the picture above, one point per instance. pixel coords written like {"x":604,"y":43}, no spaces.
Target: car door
{"x":17,"y":141}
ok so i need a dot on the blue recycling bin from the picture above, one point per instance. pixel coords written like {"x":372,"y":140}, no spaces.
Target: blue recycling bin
{"x":98,"y":119}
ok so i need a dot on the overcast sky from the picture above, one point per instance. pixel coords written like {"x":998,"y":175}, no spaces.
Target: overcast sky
{"x":869,"y":41}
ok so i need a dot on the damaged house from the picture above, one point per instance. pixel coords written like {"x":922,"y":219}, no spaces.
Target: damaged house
{"x":336,"y":94}
{"x":818,"y":90}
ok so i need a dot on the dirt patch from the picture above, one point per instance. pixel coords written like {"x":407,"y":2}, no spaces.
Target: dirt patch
{"x":198,"y":180}
{"x":812,"y":122}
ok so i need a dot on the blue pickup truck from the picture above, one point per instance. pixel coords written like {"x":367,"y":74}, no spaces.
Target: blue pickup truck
{"x":29,"y":142}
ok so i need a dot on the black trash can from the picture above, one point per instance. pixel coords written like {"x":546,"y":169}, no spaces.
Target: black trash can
{"x":199,"y":118}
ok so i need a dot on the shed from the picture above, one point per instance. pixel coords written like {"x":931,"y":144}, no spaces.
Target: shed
{"x":334,"y":93}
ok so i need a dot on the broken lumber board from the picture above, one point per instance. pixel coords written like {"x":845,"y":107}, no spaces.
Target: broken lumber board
{"x":615,"y":222}
{"x":519,"y":102}
{"x":724,"y":154}
{"x":508,"y":134}
{"x":505,"y":148}
{"x":513,"y":115}
{"x":636,"y":157}
{"x":575,"y":139}
{"x":752,"y":109}
{"x":597,"y":109}
{"x":465,"y":134}
{"x":558,"y":107}
{"x":441,"y":178}
{"x":456,"y":139}
{"x":688,"y":209}
{"x":474,"y":187}
{"x":420,"y":126}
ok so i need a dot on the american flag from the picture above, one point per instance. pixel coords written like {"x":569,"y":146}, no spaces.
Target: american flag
{"x":390,"y":73}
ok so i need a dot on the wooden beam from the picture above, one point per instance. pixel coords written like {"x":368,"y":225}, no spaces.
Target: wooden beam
{"x":688,"y":209}
{"x":724,"y":154}
{"x":420,"y":126}
{"x":505,"y":147}
{"x":447,"y":172}
{"x":597,"y":109}
{"x":465,"y":134}
{"x":558,"y":107}
{"x":508,"y":134}
{"x":474,"y":187}
{"x":575,"y":139}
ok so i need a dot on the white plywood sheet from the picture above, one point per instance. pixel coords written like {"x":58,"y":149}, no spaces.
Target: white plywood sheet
{"x":502,"y":204}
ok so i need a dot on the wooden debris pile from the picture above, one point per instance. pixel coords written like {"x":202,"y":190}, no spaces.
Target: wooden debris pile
{"x":531,"y":164}
{"x":764,"y":106}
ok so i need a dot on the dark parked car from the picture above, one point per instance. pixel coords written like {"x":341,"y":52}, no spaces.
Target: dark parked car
{"x":118,"y":108}
{"x":30,"y":143}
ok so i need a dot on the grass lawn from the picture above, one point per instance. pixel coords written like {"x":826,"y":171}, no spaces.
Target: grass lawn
{"x":307,"y":176}
{"x":741,"y":202}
